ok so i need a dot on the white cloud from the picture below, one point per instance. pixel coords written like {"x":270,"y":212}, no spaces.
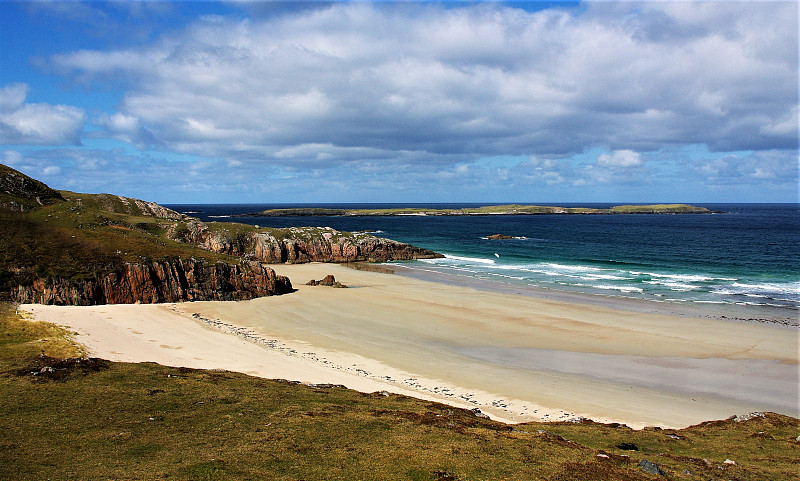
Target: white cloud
{"x":126,"y":128}
{"x":459,"y":83}
{"x":784,"y":126}
{"x":620,"y":158}
{"x":12,"y":97}
{"x":51,"y":170}
{"x":759,"y":168}
{"x":10,"y":157}
{"x":38,"y":123}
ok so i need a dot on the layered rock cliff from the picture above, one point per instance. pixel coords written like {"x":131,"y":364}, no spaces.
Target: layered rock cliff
{"x":310,"y":244}
{"x":162,"y":281}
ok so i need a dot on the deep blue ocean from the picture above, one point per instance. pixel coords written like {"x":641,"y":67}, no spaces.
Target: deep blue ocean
{"x":749,"y":254}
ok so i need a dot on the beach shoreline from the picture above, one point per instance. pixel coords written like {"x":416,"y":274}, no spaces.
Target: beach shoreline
{"x":516,"y":358}
{"x":778,"y":316}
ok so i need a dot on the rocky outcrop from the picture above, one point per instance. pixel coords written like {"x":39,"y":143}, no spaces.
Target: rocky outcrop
{"x":109,"y":249}
{"x":165,"y":281}
{"x":329,"y":281}
{"x":22,"y":193}
{"x":131,"y":206}
{"x":312,"y":245}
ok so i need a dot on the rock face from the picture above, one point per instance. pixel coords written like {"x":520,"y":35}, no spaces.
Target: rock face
{"x":24,"y":193}
{"x":165,"y":281}
{"x":312,"y":245}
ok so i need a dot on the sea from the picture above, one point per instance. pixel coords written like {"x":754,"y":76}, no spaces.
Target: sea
{"x":742,"y":260}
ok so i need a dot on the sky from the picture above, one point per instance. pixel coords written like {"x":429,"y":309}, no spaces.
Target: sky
{"x":378,"y":102}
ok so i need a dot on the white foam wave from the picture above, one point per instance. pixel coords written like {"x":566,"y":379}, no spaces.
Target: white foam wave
{"x":675,"y":286}
{"x":468,"y":259}
{"x":617,"y":288}
{"x":664,"y":287}
{"x":608,"y":277}
{"x":781,"y":288}
{"x":683,"y":277}
{"x":573,"y":268}
{"x":519,"y":237}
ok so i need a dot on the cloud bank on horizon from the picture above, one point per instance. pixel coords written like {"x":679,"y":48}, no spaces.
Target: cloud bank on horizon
{"x":405,"y":102}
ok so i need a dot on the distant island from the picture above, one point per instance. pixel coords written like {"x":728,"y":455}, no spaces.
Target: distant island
{"x":508,"y":209}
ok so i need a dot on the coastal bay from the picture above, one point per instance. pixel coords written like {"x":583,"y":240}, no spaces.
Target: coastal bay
{"x":517,"y":358}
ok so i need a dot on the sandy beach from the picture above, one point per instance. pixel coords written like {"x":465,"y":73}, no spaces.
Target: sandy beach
{"x":516,"y":358}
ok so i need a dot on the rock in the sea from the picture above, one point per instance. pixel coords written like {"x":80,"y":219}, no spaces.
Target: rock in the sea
{"x":499,"y":237}
{"x":329,"y":280}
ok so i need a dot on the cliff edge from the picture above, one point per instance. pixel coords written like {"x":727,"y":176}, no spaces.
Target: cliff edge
{"x":301,"y":244}
{"x":60,"y":247}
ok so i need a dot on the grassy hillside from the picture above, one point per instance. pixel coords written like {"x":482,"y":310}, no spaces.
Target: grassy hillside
{"x":510,"y":209}
{"x":97,"y":420}
{"x":47,"y":233}
{"x":82,"y":235}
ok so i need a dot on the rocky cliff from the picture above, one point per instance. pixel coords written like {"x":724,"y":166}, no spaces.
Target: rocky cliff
{"x":163,"y":281}
{"x":309,"y":244}
{"x":59,"y":247}
{"x":20,"y":193}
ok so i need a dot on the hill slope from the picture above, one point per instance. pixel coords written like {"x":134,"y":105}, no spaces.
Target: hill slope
{"x":63,"y":247}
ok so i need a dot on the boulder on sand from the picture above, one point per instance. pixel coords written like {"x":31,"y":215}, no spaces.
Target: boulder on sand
{"x":329,"y":280}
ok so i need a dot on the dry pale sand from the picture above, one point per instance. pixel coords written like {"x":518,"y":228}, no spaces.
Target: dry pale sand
{"x":517,"y":358}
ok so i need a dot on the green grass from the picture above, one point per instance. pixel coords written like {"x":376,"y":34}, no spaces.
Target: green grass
{"x":145,"y":422}
{"x":83,"y":236}
{"x":21,"y":339}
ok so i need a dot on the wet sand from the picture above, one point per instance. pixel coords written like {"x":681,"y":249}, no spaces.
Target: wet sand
{"x":515,"y":357}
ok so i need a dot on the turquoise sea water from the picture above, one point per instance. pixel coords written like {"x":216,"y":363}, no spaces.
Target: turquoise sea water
{"x":746,"y":255}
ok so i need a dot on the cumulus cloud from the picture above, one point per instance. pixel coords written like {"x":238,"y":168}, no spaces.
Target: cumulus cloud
{"x":51,"y":170}
{"x":38,"y":123}
{"x":127,"y":128}
{"x":422,"y":83}
{"x":760,"y":168}
{"x":620,"y":158}
{"x":10,"y":157}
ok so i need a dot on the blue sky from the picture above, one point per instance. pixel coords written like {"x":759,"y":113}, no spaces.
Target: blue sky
{"x":203,"y":102}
